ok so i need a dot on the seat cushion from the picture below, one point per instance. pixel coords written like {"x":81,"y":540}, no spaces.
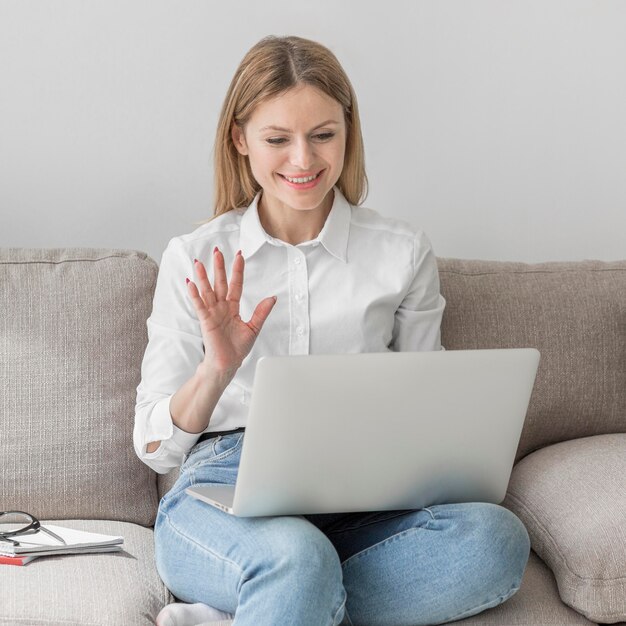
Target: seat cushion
{"x":72,"y":337}
{"x":124,"y":588}
{"x":536,"y":602}
{"x":120,"y":588}
{"x":572,"y":498}
{"x":573,"y":313}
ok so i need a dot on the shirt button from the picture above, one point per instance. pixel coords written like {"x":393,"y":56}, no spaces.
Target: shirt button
{"x":297,"y":260}
{"x":298,"y":297}
{"x":300,"y":330}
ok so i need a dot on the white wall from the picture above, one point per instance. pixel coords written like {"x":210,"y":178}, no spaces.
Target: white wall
{"x":498,"y":126}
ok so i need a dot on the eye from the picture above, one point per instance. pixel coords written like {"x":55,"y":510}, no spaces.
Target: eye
{"x":275,"y":141}
{"x":325,"y":136}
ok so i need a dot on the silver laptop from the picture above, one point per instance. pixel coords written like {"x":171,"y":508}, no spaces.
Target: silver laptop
{"x":379,"y":431}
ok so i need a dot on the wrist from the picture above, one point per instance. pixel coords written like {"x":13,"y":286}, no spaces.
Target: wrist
{"x":192,"y":405}
{"x":216,"y":377}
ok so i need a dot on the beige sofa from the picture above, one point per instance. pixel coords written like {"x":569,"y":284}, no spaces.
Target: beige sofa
{"x":72,"y":336}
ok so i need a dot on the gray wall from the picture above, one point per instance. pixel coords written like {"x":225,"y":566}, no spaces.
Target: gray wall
{"x":497,"y":126}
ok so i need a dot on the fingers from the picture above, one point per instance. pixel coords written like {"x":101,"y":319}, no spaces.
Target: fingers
{"x":203,"y":289}
{"x":221,"y":290}
{"x":208,"y":296}
{"x":219,"y":275}
{"x":198,"y":302}
{"x":236,"y":279}
{"x":261,"y":313}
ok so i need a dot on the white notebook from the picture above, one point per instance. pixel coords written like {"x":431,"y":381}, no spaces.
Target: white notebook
{"x":77,"y":541}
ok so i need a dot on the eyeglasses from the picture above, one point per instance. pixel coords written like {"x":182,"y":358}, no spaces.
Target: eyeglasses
{"x":17,"y":523}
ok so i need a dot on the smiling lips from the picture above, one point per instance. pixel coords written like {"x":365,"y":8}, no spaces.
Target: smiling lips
{"x":300,"y":179}
{"x":306,"y":181}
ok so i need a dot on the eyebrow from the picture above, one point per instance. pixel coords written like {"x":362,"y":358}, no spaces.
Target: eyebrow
{"x":287,"y":130}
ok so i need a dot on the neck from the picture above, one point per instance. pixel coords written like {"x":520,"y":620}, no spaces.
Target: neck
{"x":291,"y":225}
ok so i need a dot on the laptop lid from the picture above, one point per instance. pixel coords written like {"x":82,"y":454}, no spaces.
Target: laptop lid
{"x":382,"y":431}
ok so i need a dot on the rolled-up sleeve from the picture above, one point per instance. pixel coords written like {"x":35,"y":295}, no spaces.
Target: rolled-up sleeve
{"x":417,"y":324}
{"x":173,"y":353}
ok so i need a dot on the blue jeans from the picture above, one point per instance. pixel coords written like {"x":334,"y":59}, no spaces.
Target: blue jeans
{"x":427,"y":566}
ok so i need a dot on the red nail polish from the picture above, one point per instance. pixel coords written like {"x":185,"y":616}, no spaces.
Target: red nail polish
{"x":238,"y":252}
{"x":188,"y":281}
{"x":215,"y":249}
{"x":195,"y":260}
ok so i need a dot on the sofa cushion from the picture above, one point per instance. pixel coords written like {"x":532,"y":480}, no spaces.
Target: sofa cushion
{"x":573,"y":313}
{"x":120,"y":588}
{"x":72,"y":337}
{"x":571,"y":497}
{"x":536,"y":602}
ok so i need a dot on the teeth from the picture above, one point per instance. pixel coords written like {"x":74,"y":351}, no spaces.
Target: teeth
{"x":301,"y":180}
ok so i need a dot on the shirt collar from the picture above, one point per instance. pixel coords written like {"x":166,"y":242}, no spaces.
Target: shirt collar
{"x":333,"y":236}
{"x":251,"y":233}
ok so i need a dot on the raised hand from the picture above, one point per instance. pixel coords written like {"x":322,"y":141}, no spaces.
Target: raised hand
{"x":227,"y":338}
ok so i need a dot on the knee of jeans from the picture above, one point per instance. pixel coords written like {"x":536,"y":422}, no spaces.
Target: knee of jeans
{"x":307,"y":553}
{"x":508,"y":539}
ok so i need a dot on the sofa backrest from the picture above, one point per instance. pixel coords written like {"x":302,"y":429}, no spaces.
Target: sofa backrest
{"x":73,"y":333}
{"x":72,"y":337}
{"x":573,"y":313}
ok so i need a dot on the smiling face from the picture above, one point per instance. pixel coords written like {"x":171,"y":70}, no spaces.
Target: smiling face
{"x":296,"y":145}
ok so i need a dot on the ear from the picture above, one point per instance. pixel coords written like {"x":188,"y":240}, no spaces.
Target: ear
{"x":239,"y":139}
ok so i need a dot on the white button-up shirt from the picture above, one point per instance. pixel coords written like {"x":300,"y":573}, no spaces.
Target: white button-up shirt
{"x":367,"y":283}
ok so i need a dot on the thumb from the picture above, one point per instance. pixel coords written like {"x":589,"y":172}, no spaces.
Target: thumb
{"x":261,"y":313}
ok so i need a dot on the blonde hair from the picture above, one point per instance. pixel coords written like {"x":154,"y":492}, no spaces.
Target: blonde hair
{"x":271,"y":67}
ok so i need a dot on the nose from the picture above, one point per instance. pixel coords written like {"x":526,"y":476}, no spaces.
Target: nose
{"x":302,"y":154}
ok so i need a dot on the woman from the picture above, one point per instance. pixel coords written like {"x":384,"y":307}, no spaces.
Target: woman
{"x":321,"y":275}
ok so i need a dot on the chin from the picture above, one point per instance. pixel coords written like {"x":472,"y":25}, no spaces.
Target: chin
{"x":306,"y":206}
{"x":306,"y":201}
